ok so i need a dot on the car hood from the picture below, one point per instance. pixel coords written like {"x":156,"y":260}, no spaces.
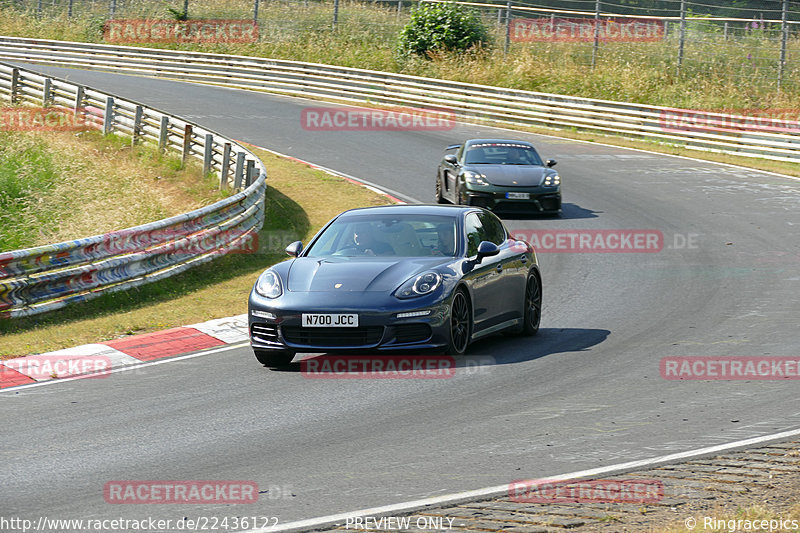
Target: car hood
{"x":512,"y":175}
{"x":314,"y":274}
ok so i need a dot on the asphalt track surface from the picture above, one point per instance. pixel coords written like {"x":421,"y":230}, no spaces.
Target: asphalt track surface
{"x":585,"y":392}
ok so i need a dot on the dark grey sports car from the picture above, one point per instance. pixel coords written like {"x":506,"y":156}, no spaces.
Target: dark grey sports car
{"x":501,"y":175}
{"x":427,"y":277}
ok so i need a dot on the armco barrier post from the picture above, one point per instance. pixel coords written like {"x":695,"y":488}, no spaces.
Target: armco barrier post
{"x":47,"y":92}
{"x":163,"y":133}
{"x":187,"y":143}
{"x":208,"y":151}
{"x":239,"y":171}
{"x":226,"y":165}
{"x":80,"y":94}
{"x":108,"y":116}
{"x":248,"y":173}
{"x":12,"y":95}
{"x":137,"y":124}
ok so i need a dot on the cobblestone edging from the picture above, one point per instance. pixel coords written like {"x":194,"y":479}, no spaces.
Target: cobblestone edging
{"x":769,"y":476}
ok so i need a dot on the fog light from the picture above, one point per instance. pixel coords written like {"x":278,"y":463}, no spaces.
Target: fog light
{"x":263,"y":314}
{"x":413,"y":313}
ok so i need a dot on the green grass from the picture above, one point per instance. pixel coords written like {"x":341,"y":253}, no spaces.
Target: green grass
{"x":299,"y":201}
{"x":59,"y":186}
{"x":27,"y":173}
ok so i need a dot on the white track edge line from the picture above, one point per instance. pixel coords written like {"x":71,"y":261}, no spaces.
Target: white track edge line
{"x":374,"y":187}
{"x":11,"y":390}
{"x":498,"y":490}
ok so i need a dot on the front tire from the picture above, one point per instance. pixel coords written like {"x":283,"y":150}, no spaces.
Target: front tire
{"x":460,"y":323}
{"x":439,"y":198}
{"x":458,"y":195}
{"x":533,"y":306}
{"x":274,"y":358}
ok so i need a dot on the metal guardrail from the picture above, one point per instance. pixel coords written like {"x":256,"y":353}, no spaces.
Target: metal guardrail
{"x":718,"y":132}
{"x":50,"y":277}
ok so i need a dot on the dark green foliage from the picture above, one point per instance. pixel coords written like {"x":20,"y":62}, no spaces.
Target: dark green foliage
{"x":442,"y":28}
{"x":178,"y":14}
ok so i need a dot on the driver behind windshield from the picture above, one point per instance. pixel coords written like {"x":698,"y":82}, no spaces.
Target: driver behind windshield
{"x":446,"y":244}
{"x":366,"y":243}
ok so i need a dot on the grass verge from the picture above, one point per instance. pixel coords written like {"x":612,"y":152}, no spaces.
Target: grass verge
{"x":58,"y":186}
{"x":299,"y":201}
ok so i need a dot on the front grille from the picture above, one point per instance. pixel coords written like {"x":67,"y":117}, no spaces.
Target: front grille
{"x":517,"y":207}
{"x":550,"y":204}
{"x":405,"y":333}
{"x":480,"y":201}
{"x":265,"y":333}
{"x":362,"y":336}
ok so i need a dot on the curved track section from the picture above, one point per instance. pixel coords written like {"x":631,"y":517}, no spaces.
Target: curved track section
{"x":585,"y":393}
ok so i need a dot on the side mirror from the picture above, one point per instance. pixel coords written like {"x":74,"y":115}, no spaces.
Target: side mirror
{"x":451,"y":158}
{"x":487,"y":249}
{"x":295,"y":248}
{"x":551,"y":162}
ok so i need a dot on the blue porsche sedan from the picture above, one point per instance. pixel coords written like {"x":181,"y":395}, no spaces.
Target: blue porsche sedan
{"x":400,"y":277}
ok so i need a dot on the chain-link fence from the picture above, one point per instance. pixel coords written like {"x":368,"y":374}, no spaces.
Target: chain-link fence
{"x":730,"y":39}
{"x":756,"y":41}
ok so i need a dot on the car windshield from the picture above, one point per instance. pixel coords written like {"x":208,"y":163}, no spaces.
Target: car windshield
{"x":502,"y":154}
{"x":404,"y":235}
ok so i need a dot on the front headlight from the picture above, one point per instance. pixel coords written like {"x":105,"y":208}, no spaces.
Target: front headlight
{"x":552,"y":181}
{"x":473,"y":178}
{"x":269,"y":285}
{"x":419,"y":285}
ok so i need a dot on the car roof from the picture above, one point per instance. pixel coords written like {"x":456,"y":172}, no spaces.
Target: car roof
{"x":411,"y":209}
{"x":493,"y":141}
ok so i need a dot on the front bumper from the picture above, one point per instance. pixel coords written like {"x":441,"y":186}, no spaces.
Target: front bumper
{"x":378,"y":329}
{"x":543,"y":201}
